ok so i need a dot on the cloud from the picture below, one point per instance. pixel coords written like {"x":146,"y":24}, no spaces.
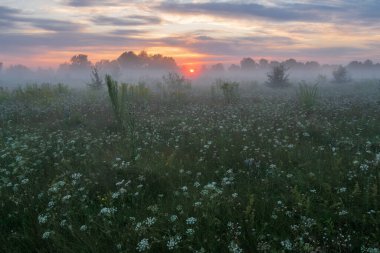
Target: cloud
{"x":85,"y":3}
{"x":127,"y":32}
{"x":132,"y":20}
{"x":351,"y":11}
{"x":20,"y":42}
{"x":10,"y":18}
{"x":285,"y":12}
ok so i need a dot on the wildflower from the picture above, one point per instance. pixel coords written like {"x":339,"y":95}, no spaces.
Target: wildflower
{"x":173,"y":242}
{"x":233,"y":247}
{"x":190,"y":231}
{"x":143,"y":245}
{"x":47,"y":234}
{"x":173,"y":218}
{"x":63,"y":223}
{"x":25,"y":181}
{"x":76,"y":176}
{"x":108,"y":211}
{"x":198,"y":203}
{"x":191,"y":221}
{"x":42,"y":219}
{"x":67,"y":197}
{"x":342,"y":189}
{"x":287,"y":244}
{"x":115,"y":195}
{"x":150,"y":221}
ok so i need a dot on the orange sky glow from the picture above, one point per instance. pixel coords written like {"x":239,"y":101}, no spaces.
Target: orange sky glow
{"x":45,"y":33}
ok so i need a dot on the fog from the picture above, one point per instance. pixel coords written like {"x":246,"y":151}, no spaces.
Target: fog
{"x":135,"y":68}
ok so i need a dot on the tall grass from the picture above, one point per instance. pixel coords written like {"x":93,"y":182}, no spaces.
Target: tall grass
{"x":307,"y":95}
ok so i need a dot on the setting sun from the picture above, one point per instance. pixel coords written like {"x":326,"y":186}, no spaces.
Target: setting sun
{"x":191,"y":70}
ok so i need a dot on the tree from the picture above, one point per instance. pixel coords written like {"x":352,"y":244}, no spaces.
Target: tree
{"x":247,"y":64}
{"x":278,"y":78}
{"x":233,"y":68}
{"x":264,"y":63}
{"x":219,"y":67}
{"x":1,"y":66}
{"x":129,"y":60}
{"x":80,"y":62}
{"x":290,"y":63}
{"x":340,"y":75}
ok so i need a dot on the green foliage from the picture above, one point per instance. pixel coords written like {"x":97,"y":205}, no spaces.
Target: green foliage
{"x":278,"y":78}
{"x":307,"y":95}
{"x":4,"y":94}
{"x":44,"y":93}
{"x":263,"y":177}
{"x":139,"y":92}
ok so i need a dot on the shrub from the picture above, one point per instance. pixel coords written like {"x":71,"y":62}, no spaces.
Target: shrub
{"x":278,"y":78}
{"x":96,"y":81}
{"x":340,"y":75}
{"x":230,"y":90}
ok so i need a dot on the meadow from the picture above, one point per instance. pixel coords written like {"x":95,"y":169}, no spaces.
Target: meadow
{"x":244,"y":168}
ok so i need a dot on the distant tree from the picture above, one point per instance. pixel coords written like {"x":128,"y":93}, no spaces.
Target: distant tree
{"x":247,"y":64}
{"x":355,"y":65}
{"x":312,"y":65}
{"x":80,"y":62}
{"x":340,"y":75}
{"x":290,"y":63}
{"x":233,"y":68}
{"x":108,"y":67}
{"x":264,"y":63}
{"x":129,"y":60}
{"x":277,"y":77}
{"x":158,"y":61}
{"x":273,"y":64}
{"x":1,"y":67}
{"x":219,"y":67}
{"x":19,"y":70}
{"x":144,"y":59}
{"x":368,"y":64}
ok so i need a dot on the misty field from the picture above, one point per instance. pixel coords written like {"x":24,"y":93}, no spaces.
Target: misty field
{"x":233,"y":167}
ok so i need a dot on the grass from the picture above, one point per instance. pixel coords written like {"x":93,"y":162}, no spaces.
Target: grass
{"x":206,"y":176}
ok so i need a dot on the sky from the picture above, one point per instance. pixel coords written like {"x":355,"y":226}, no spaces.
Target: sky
{"x":45,"y":33}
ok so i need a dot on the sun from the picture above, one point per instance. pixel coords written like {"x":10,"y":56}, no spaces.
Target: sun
{"x":191,"y":70}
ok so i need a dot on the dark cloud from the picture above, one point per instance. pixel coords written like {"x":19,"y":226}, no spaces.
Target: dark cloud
{"x":127,"y":32}
{"x":330,"y":51}
{"x":10,"y":18}
{"x":132,"y":20}
{"x":204,"y":37}
{"x":350,"y":11}
{"x":289,"y":12}
{"x":85,"y":3}
{"x":267,"y":40}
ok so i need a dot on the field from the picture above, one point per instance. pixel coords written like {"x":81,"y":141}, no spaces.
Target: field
{"x":260,"y":170}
